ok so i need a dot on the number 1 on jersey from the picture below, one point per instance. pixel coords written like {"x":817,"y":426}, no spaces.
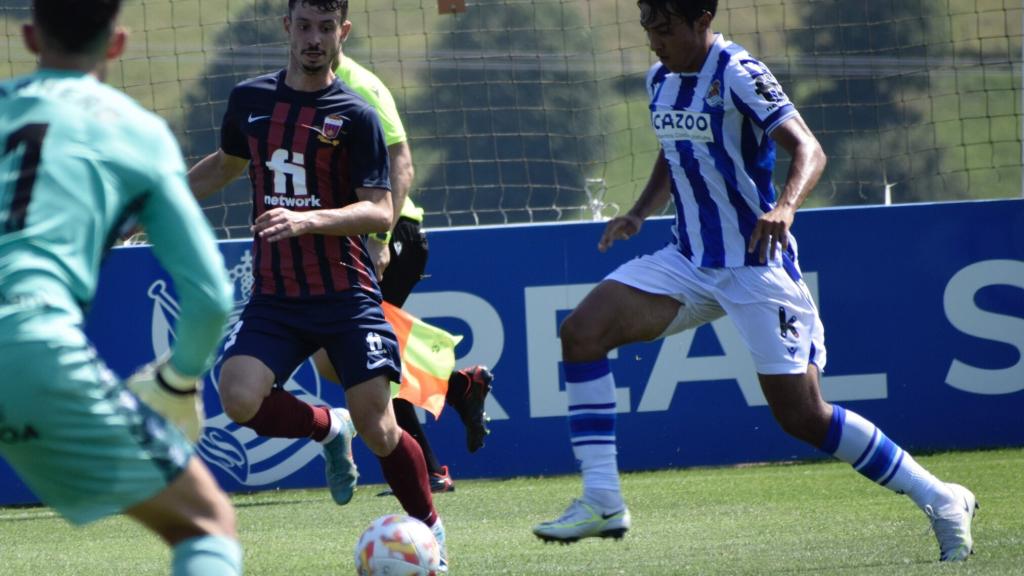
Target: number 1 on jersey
{"x":31,"y":135}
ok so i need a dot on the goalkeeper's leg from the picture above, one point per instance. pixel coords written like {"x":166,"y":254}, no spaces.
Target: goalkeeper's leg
{"x":195,"y":518}
{"x":89,"y":450}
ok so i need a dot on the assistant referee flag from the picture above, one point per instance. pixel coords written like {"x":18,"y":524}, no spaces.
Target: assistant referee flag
{"x":428,"y":358}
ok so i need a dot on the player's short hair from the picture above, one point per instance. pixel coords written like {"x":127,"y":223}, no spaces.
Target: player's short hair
{"x":323,"y":6}
{"x":77,"y":26}
{"x":689,"y":10}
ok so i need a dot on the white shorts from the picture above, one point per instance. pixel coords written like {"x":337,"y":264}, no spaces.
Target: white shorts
{"x":772,"y":310}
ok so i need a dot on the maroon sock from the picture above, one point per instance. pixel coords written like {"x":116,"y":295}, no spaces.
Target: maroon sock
{"x":321,"y":422}
{"x":406,"y":473}
{"x":282,"y":415}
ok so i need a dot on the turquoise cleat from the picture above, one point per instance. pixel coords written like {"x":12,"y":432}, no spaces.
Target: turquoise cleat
{"x":341,"y":467}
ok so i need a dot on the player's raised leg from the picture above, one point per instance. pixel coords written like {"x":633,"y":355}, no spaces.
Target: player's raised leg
{"x":786,"y":338}
{"x":799,"y":409}
{"x":949,"y":507}
{"x":251,"y":399}
{"x":467,"y":391}
{"x":611,"y":315}
{"x":401,"y":459}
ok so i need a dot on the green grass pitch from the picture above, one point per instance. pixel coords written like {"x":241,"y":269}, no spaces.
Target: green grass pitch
{"x":804,"y":519}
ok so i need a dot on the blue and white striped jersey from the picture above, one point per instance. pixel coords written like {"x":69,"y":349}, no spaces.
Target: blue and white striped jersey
{"x":714,"y":127}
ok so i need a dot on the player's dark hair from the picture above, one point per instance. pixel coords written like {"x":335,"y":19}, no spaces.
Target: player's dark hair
{"x":689,"y":10}
{"x":77,"y":26}
{"x":323,"y":6}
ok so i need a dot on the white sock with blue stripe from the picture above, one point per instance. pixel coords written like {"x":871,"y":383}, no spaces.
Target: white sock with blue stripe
{"x":860,"y":443}
{"x":591,"y":390}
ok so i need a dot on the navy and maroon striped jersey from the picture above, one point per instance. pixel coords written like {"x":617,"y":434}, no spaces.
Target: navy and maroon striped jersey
{"x":307,"y":151}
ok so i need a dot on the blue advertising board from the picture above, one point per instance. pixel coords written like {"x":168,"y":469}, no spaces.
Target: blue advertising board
{"x":923,"y":307}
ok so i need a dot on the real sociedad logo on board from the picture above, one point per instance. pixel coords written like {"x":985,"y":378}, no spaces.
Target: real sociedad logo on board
{"x":248,"y":458}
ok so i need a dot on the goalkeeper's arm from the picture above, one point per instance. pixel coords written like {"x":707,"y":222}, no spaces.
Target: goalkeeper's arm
{"x":185,"y":246}
{"x":173,"y":395}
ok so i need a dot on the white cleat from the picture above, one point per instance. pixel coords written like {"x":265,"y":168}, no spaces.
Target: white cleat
{"x":583,"y":520}
{"x":952,"y":524}
{"x":442,"y":544}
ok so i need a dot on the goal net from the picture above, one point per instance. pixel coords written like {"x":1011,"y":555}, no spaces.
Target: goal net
{"x":534,"y":110}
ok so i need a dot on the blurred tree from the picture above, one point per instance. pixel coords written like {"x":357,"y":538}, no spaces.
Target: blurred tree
{"x":510,"y":113}
{"x":254,"y":43}
{"x":864,"y":77}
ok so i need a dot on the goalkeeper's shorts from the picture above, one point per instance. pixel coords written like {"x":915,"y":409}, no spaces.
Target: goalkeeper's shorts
{"x":71,"y":430}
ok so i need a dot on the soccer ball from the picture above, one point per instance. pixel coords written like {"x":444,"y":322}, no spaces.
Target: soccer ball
{"x":397,"y":545}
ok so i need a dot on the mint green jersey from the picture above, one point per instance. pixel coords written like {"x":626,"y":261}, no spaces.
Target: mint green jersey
{"x":79,"y":161}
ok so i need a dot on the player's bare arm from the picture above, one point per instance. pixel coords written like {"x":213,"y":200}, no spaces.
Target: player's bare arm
{"x":372,"y":213}
{"x":401,"y":175}
{"x":214,"y":172}
{"x":380,"y":254}
{"x":652,"y":199}
{"x":807,"y":165}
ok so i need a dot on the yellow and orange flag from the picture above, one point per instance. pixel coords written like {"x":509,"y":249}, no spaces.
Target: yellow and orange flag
{"x":428,"y":358}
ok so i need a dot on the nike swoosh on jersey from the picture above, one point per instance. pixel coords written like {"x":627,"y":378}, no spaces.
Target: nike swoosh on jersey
{"x":371,"y":364}
{"x":257,"y":118}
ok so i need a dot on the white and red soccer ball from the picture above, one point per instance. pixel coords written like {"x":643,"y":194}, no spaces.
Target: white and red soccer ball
{"x":397,"y":545}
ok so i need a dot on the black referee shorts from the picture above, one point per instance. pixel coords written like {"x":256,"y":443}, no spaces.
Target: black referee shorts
{"x":408,"y":261}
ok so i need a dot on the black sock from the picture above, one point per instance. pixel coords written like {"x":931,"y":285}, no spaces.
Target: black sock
{"x":405,"y":414}
{"x":458,"y":386}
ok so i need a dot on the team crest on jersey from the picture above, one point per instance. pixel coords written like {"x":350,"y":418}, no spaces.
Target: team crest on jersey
{"x":714,"y":95}
{"x":332,"y":125}
{"x":328,"y":133}
{"x":224,"y":445}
